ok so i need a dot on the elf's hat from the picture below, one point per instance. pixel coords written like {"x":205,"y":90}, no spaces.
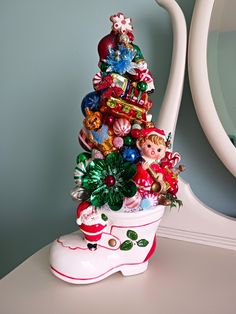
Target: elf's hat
{"x":153,"y":131}
{"x":159,"y":132}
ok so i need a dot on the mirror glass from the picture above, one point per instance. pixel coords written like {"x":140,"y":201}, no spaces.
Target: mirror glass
{"x":221,"y":62}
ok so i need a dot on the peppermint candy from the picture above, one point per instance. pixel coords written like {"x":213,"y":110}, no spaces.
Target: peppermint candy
{"x":97,"y":80}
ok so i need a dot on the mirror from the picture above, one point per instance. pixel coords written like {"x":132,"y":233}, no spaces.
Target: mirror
{"x":196,"y":221}
{"x":221,"y":62}
{"x":212,"y":65}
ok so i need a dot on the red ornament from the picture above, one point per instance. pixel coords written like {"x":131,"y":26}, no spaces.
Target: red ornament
{"x":106,"y":43}
{"x":131,"y":36}
{"x":121,"y":127}
{"x":109,"y":120}
{"x":109,"y":181}
{"x":135,"y":133}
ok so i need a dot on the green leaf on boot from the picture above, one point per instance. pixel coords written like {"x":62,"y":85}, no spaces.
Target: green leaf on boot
{"x":104,"y":217}
{"x":142,"y":242}
{"x":126,"y":245}
{"x":132,"y":235}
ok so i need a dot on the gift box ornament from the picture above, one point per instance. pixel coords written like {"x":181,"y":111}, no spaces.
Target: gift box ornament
{"x":121,"y":108}
{"x":126,"y":174}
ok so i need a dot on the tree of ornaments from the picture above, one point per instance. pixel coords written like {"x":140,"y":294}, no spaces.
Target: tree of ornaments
{"x":127,"y":165}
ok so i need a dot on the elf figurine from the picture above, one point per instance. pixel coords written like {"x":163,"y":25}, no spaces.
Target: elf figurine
{"x":153,"y":178}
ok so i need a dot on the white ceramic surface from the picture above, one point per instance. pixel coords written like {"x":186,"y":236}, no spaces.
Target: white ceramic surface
{"x":133,"y":239}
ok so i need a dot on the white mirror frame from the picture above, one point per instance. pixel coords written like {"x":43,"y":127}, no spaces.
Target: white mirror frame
{"x":169,"y":112}
{"x":195,"y":221}
{"x":200,"y":86}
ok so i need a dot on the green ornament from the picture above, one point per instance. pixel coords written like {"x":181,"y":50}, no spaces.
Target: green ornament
{"x":80,"y":169}
{"x":138,"y":54}
{"x":104,"y":66}
{"x":128,"y":140}
{"x":142,"y":86}
{"x":83,"y":157}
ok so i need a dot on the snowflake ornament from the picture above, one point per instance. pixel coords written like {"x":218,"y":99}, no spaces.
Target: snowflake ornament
{"x":121,"y":24}
{"x":120,"y":60}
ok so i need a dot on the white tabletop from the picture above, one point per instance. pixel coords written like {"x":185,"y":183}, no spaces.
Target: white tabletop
{"x":182,"y":278}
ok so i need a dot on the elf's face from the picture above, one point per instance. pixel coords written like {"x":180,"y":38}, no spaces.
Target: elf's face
{"x":153,"y":151}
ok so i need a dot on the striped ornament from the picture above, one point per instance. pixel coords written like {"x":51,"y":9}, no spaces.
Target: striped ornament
{"x":175,"y":158}
{"x":97,"y":80}
{"x":133,"y":202}
{"x":121,"y":127}
{"x":80,"y":171}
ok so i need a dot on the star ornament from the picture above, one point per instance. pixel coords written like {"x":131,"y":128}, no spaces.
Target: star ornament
{"x":120,"y":61}
{"x":121,"y":24}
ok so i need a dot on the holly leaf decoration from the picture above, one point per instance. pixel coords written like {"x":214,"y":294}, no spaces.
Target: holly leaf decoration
{"x":132,"y":235}
{"x":126,"y":245}
{"x":174,"y":202}
{"x":142,"y":242}
{"x":104,"y":217}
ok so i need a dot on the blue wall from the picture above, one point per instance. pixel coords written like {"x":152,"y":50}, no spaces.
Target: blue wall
{"x":48,"y":58}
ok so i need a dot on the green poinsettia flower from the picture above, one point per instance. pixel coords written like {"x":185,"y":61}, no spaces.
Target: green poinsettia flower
{"x":109,"y":181}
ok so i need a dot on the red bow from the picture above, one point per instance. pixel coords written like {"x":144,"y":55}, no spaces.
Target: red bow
{"x":106,"y":82}
{"x":113,"y":91}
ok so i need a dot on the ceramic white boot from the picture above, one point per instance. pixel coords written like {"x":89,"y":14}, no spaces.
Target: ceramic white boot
{"x":126,"y":245}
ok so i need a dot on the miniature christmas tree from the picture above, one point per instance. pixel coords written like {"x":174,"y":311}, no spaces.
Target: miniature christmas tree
{"x":127,"y":165}
{"x":127,"y":173}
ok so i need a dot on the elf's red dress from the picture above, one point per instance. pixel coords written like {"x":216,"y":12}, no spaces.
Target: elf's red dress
{"x":144,"y":180}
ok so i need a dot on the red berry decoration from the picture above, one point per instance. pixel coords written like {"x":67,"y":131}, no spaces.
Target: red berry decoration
{"x":109,"y":181}
{"x":135,"y":133}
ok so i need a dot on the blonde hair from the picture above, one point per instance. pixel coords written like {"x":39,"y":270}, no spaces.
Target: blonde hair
{"x":156,"y":139}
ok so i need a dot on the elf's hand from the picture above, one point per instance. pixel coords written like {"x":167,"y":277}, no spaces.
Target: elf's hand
{"x":145,"y":165}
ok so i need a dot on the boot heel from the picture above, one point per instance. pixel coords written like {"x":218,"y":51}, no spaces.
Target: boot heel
{"x":129,"y":270}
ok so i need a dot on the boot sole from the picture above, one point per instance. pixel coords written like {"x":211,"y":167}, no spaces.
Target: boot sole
{"x":126,"y":270}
